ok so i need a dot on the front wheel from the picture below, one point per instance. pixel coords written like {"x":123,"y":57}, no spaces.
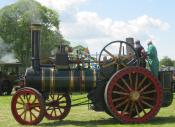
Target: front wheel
{"x":27,"y":106}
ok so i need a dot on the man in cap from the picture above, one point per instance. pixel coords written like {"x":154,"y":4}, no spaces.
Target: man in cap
{"x":153,"y":60}
{"x":141,"y":53}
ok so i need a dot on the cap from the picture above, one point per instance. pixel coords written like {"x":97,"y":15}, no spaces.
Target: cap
{"x":137,"y":42}
{"x":149,"y":42}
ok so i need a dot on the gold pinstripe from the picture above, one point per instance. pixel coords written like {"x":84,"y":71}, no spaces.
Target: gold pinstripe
{"x":71,"y":80}
{"x":42,"y":79}
{"x":83,"y":81}
{"x":94,"y":78}
{"x":52,"y":80}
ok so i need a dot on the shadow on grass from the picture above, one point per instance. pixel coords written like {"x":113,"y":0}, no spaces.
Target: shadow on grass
{"x":110,"y":121}
{"x":81,"y":123}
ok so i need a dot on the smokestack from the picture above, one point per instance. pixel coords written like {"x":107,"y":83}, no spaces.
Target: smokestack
{"x":35,"y":42}
{"x":130,"y":40}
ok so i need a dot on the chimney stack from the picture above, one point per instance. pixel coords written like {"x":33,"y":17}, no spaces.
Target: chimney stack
{"x":35,"y":43}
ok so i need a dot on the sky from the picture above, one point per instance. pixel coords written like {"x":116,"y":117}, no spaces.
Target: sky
{"x":95,"y":23}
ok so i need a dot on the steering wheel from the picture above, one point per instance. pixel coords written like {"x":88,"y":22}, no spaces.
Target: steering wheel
{"x":115,"y":56}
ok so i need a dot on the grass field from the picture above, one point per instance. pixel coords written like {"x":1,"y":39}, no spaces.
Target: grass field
{"x":82,"y":117}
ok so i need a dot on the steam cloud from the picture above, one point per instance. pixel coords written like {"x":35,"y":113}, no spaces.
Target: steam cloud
{"x":5,"y":55}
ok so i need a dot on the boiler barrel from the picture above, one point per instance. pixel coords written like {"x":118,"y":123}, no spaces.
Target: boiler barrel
{"x":53,"y":80}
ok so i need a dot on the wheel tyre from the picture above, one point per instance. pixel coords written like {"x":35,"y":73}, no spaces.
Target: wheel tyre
{"x":25,"y":95}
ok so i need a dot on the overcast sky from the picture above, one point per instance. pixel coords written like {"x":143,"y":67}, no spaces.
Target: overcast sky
{"x":94,"y":23}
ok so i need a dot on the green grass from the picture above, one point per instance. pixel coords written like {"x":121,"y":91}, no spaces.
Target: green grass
{"x":80,"y":116}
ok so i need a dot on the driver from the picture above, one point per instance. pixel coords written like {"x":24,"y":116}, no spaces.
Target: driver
{"x":141,"y":53}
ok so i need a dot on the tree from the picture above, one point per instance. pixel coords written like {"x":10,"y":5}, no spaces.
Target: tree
{"x":15,"y":22}
{"x":166,"y":61}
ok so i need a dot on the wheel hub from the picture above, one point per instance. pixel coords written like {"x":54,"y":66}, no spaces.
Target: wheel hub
{"x":26,"y":107}
{"x":134,"y":95}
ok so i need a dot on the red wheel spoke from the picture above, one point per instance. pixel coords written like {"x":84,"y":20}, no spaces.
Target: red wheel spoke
{"x":118,"y":99}
{"x":61,"y":97}
{"x":136,"y":82}
{"x":119,"y":86}
{"x":25,"y":115}
{"x":57,"y":97}
{"x":147,"y":98}
{"x":131,"y":108}
{"x":34,"y":100}
{"x":52,"y":112}
{"x":63,"y":107}
{"x":30,"y":115}
{"x":34,"y":105}
{"x":22,"y":100}
{"x":48,"y":108}
{"x":126,"y":84}
{"x":55,"y":112}
{"x":62,"y":102}
{"x":147,"y":104}
{"x":22,"y":113}
{"x":20,"y":108}
{"x":19,"y":103}
{"x":141,"y":107}
{"x":136,"y":108}
{"x":145,"y":87}
{"x":148,"y":92}
{"x":28,"y":98}
{"x":36,"y":109}
{"x":60,"y":110}
{"x":33,"y":114}
{"x":121,"y":93}
{"x":52,"y":96}
{"x":126,"y":107}
{"x":141,"y":83}
{"x":122,"y":103}
{"x":130,"y":79}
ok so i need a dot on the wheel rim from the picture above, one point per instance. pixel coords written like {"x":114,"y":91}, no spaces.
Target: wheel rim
{"x":27,"y":106}
{"x":118,"y":58}
{"x":57,"y":106}
{"x":133,"y":95}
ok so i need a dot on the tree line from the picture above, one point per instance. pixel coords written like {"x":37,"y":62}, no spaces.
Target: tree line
{"x":166,"y":62}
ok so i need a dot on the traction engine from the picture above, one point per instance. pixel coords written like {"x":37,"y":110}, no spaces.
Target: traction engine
{"x":119,"y":87}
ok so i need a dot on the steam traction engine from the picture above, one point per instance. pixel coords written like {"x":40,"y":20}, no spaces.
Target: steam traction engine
{"x":120,"y":87}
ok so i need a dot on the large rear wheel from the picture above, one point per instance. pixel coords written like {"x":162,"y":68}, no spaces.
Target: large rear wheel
{"x":133,"y":95}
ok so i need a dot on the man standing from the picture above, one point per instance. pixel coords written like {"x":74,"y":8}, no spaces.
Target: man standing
{"x":153,"y":60}
{"x":141,"y":53}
